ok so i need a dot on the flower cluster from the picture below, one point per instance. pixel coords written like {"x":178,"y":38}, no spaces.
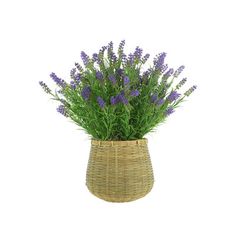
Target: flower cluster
{"x":113,"y":98}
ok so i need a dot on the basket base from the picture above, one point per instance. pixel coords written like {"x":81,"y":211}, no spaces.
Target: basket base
{"x":119,"y":199}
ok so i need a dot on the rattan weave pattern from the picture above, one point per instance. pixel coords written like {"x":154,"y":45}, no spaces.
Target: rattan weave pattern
{"x":119,"y":171}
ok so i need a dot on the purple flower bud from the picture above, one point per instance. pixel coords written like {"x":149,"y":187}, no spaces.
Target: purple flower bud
{"x":85,"y":93}
{"x":181,"y":83}
{"x":112,"y":78}
{"x":126,"y":80}
{"x":123,"y":99}
{"x":153,"y":98}
{"x":134,"y":93}
{"x":121,"y":47}
{"x":160,"y":101}
{"x":178,"y":71}
{"x":169,"y":73}
{"x":95,"y":57}
{"x":79,"y":67}
{"x":138,"y":53}
{"x":57,"y":80}
{"x":61,"y":109}
{"x":131,"y":59}
{"x":99,"y":75}
{"x":73,"y":85}
{"x":114,"y":100}
{"x":77,"y":78}
{"x":169,"y":111}
{"x":188,"y":92}
{"x":145,"y":58}
{"x":120,"y":71}
{"x":85,"y":58}
{"x":45,"y":87}
{"x":72,"y":73}
{"x":101,"y":102}
{"x":159,"y":60}
{"x":173,"y":96}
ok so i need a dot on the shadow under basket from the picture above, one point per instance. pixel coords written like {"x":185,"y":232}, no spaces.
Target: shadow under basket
{"x":119,"y":171}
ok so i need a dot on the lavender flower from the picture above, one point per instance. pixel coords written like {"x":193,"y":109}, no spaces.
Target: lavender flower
{"x":57,"y":80}
{"x":61,"y":109}
{"x":121,"y":47}
{"x":85,"y":58}
{"x":99,"y":75}
{"x":123,"y":99}
{"x":173,"y":96}
{"x":124,"y":59}
{"x":159,"y":60}
{"x":114,"y":100}
{"x":112,"y":78}
{"x":178,"y":71}
{"x":181,"y":83}
{"x":79,"y":67}
{"x":101,"y":102}
{"x":134,"y":93}
{"x":45,"y":87}
{"x":120,"y":71}
{"x":169,"y":73}
{"x":145,"y":58}
{"x":85,"y":93}
{"x":188,"y":92}
{"x":163,"y":68}
{"x":169,"y":111}
{"x":138,"y":53}
{"x":77,"y":78}
{"x":95,"y":57}
{"x":160,"y":101}
{"x":126,"y":80}
{"x":72,"y":73}
{"x":131,"y":59}
{"x":153,"y":98}
{"x":73,"y":85}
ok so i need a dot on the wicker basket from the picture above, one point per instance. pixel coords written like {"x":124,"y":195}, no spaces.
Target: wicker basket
{"x":119,"y":171}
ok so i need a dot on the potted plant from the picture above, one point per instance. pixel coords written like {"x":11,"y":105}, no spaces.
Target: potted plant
{"x":117,"y":102}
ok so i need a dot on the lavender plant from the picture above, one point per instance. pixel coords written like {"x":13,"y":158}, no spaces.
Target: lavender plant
{"x":112,"y":97}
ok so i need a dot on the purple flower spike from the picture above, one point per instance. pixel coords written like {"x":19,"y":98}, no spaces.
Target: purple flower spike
{"x":57,"y":80}
{"x":131,"y":59}
{"x":173,"y":96}
{"x":178,"y":71}
{"x":77,"y":78}
{"x":112,"y":78}
{"x":114,"y":100}
{"x":95,"y":57}
{"x":85,"y":93}
{"x":120,"y":71}
{"x":160,"y":102}
{"x":153,"y":98}
{"x":45,"y":87}
{"x":169,"y":73}
{"x":101,"y":102}
{"x":72,"y":73}
{"x":159,"y":60}
{"x":134,"y":93}
{"x":138,"y":53}
{"x":169,"y":111}
{"x":188,"y":92}
{"x":73,"y":85}
{"x":99,"y":75}
{"x":126,"y":80}
{"x":145,"y":58}
{"x":121,"y":47}
{"x":85,"y":58}
{"x":181,"y":83}
{"x":61,"y":109}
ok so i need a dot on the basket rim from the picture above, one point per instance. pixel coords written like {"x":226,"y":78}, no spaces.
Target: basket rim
{"x":96,"y":142}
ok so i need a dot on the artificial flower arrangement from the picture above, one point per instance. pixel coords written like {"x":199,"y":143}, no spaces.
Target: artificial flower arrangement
{"x":116,"y":99}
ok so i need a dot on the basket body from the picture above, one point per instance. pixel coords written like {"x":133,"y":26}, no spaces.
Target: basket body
{"x":119,"y":171}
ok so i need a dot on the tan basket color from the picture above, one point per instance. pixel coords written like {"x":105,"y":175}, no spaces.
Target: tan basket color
{"x":119,"y":171}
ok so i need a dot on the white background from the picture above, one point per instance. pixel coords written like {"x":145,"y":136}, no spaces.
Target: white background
{"x":44,"y":157}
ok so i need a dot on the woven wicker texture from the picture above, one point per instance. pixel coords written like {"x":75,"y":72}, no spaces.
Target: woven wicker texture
{"x":119,"y":171}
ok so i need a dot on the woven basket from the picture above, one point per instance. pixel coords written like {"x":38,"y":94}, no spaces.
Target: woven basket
{"x":119,"y":171}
